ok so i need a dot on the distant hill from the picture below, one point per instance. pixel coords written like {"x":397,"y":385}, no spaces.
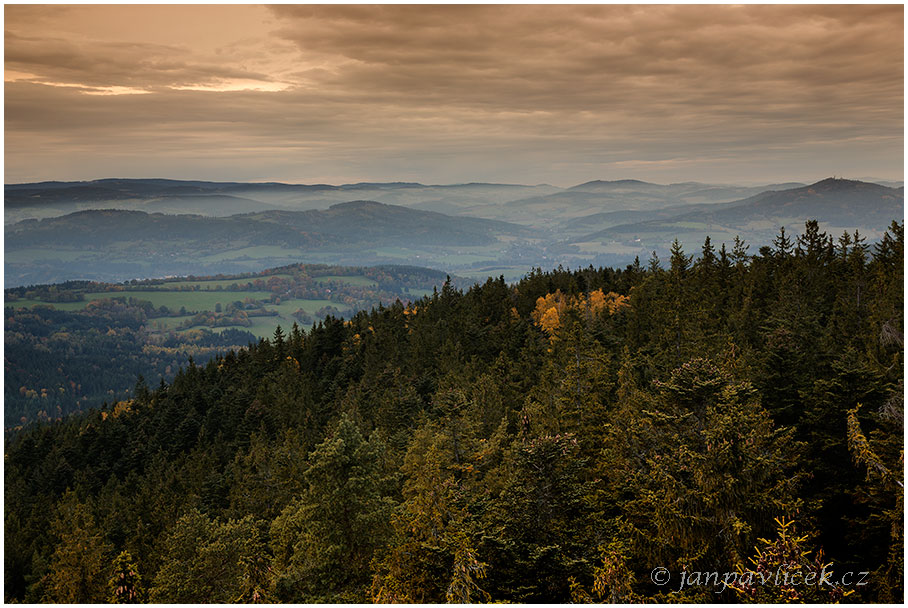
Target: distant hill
{"x":683,"y":190}
{"x":118,"y":229}
{"x":632,"y":185}
{"x":352,"y":222}
{"x":219,"y":199}
{"x":117,"y":244}
{"x":563,"y":210}
{"x":836,"y":203}
{"x":375,"y":223}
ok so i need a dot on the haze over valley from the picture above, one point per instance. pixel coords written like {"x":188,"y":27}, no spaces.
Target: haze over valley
{"x":122,"y":229}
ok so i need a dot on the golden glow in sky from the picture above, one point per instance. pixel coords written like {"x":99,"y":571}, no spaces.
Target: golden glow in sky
{"x":444,"y":94}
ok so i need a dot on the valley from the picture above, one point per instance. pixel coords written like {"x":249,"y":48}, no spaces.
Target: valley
{"x":72,"y":346}
{"x":115,"y":230}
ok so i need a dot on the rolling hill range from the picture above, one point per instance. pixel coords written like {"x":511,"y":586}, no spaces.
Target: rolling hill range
{"x":838,"y":204}
{"x":540,"y":206}
{"x":122,"y":244}
{"x":560,"y":209}
{"x":341,"y":224}
{"x":220,"y":199}
{"x":121,"y":229}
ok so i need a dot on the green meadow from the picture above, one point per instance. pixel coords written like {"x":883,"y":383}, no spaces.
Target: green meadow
{"x":213,"y":284}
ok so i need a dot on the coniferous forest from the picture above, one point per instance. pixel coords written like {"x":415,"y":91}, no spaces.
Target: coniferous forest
{"x":572,"y":437}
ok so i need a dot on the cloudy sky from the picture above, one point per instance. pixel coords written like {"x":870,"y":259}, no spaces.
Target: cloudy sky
{"x":450,"y":94}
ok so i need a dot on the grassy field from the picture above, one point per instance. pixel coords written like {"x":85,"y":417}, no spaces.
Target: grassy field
{"x":262,"y":327}
{"x":68,"y":306}
{"x":416,"y":293}
{"x":213,"y":284}
{"x":206,"y":298}
{"x":192,"y":300}
{"x":287,"y":307}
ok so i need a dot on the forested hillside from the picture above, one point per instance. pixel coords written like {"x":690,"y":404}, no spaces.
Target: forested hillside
{"x":72,"y":346}
{"x":553,"y":440}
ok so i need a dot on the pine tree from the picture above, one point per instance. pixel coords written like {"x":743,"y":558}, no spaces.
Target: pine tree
{"x":125,"y":585}
{"x":700,"y":469}
{"x":79,"y":564}
{"x":205,"y":561}
{"x":542,"y":523}
{"x":324,"y":540}
{"x":784,"y":572}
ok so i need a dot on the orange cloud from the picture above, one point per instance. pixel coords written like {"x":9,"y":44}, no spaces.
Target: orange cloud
{"x":455,"y":93}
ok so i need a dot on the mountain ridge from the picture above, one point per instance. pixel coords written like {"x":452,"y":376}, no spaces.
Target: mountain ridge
{"x":835,"y":201}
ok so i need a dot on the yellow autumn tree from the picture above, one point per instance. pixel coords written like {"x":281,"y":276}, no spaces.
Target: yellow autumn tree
{"x":551,"y":307}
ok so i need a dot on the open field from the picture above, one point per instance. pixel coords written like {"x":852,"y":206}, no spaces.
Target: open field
{"x":213,"y":284}
{"x":287,"y":307}
{"x":198,"y":301}
{"x":262,"y":327}
{"x":415,"y":293}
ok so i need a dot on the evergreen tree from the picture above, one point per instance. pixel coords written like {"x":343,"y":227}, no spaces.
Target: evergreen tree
{"x":79,"y":565}
{"x":208,"y":562}
{"x":125,"y":585}
{"x":325,"y":539}
{"x":700,"y":471}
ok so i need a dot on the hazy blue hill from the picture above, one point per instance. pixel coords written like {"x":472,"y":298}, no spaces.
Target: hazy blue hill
{"x":882,"y":182}
{"x":373,"y":222}
{"x":623,"y":185}
{"x":159,"y":227}
{"x":215,"y":205}
{"x":733,"y":193}
{"x":683,"y":192}
{"x":26,"y":201}
{"x":564,"y":211}
{"x":351,"y":222}
{"x":836,"y":203}
{"x":839,"y":202}
{"x":381,"y":185}
{"x":838,"y":199}
{"x":49,"y":199}
{"x":117,"y":244}
{"x":617,"y":218}
{"x":634,"y":199}
{"x":697,"y":200}
{"x":20,"y":197}
{"x":101,"y":228}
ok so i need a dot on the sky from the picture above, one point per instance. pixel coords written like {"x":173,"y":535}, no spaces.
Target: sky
{"x":445,"y":94}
